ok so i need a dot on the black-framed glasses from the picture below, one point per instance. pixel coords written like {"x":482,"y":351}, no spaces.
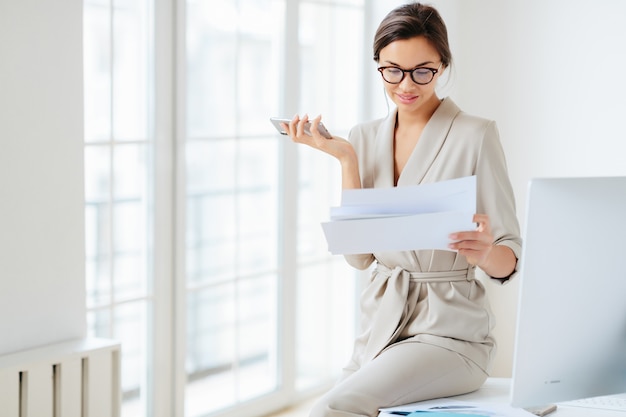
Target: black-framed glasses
{"x":419,"y":75}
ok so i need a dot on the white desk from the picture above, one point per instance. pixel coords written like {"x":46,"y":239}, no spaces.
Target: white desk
{"x":496,"y":390}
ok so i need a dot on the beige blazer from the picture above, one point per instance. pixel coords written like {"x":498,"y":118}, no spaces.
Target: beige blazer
{"x":432,"y":296}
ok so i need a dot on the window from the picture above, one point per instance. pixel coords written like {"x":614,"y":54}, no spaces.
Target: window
{"x":330,"y":35}
{"x":261,"y":313}
{"x":232,"y":203}
{"x":118,"y":145}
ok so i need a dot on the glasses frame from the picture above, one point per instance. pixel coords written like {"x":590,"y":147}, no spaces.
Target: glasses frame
{"x":410,"y":71}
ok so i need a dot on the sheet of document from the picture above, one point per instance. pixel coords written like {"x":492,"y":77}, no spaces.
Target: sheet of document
{"x":401,"y":218}
{"x":448,"y":407}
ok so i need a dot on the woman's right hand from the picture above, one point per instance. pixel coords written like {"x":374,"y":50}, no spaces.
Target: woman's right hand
{"x":338,"y":147}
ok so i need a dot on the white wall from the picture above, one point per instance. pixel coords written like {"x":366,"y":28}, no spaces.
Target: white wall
{"x":550,"y":74}
{"x":42,"y":293}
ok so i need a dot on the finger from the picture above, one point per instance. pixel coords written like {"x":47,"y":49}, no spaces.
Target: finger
{"x":473,"y":256}
{"x":479,"y":217}
{"x":293,"y":126}
{"x":303,"y":121}
{"x":466,"y":236}
{"x":482,"y":221}
{"x":469,"y":245}
{"x":473,"y":248}
{"x":315,"y":126}
{"x":482,"y":225}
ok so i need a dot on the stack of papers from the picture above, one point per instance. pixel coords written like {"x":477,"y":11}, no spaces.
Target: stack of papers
{"x":453,"y":408}
{"x":401,"y":218}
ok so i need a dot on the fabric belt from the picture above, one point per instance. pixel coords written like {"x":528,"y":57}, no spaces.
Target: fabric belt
{"x":463,"y":275}
{"x":396,"y":305}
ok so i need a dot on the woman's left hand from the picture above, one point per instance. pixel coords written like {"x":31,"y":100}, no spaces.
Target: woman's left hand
{"x":475,"y":245}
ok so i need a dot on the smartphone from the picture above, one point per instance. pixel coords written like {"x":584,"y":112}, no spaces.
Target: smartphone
{"x":276,"y":121}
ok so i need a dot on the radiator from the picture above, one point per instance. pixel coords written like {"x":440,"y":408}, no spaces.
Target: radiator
{"x":79,"y":378}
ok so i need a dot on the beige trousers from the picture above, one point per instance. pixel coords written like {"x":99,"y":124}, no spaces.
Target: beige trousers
{"x":403,"y":373}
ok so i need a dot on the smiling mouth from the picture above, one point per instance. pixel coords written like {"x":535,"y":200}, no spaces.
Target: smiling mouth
{"x":406,"y":97}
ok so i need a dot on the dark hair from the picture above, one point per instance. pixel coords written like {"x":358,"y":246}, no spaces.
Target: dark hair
{"x":409,"y":21}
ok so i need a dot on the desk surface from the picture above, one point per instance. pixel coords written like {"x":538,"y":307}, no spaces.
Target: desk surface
{"x":496,"y":390}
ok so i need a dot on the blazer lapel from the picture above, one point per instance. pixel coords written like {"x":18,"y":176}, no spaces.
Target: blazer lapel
{"x":429,"y":144}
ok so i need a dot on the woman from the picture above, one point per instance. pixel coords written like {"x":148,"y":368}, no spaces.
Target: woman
{"x":426,"y":321}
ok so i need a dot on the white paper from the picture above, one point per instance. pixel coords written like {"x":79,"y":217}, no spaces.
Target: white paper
{"x":446,"y":405}
{"x":401,"y":218}
{"x":458,"y":194}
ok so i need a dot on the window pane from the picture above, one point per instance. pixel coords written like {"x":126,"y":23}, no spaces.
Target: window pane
{"x":232,"y":338}
{"x":211,"y":243}
{"x":97,"y":256}
{"x":258,"y":64}
{"x":130,"y":250}
{"x":258,"y":244}
{"x":97,"y":70}
{"x":257,"y":317}
{"x":211,"y":349}
{"x":319,"y":187}
{"x":130,"y":221}
{"x":130,"y":329}
{"x":130,"y":70}
{"x":331,"y":58}
{"x":97,"y":225}
{"x":236,"y":93}
{"x":209,"y":165}
{"x":127,"y":324}
{"x":97,"y":174}
{"x":344,"y":2}
{"x":211,"y":210}
{"x":257,"y":221}
{"x":211,"y":75}
{"x":99,"y":323}
{"x":129,"y":172}
{"x":324,"y":335}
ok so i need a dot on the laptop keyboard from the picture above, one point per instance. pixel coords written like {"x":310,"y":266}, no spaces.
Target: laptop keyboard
{"x":608,"y":402}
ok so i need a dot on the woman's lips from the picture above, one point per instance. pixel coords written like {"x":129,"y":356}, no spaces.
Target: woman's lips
{"x":406,"y":98}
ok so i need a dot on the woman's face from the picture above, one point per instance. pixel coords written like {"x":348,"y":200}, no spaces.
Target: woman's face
{"x":408,"y":54}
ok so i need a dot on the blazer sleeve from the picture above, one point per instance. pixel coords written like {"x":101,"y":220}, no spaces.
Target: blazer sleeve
{"x":495,"y":194}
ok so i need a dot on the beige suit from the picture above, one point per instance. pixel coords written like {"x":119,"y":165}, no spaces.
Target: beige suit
{"x":426,"y":321}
